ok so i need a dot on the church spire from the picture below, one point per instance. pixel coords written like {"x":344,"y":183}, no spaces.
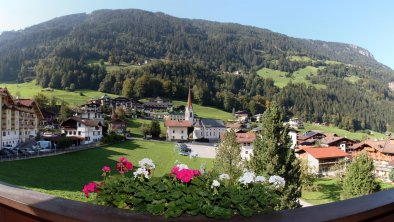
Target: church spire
{"x":189,"y":109}
{"x":189,"y":100}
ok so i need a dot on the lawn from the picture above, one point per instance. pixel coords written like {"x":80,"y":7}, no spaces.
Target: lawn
{"x":134,"y":126}
{"x":113,"y":68}
{"x":329,"y":191}
{"x":206,"y":111}
{"x":29,"y":89}
{"x":65,"y":175}
{"x":341,"y":132}
{"x":298,"y":76}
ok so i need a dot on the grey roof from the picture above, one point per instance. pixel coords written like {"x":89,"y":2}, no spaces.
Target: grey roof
{"x":212,"y":123}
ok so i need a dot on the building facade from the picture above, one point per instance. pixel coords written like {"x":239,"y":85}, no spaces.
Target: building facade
{"x":19,"y":120}
{"x":82,"y":130}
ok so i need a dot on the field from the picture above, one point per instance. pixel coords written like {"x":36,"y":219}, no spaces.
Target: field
{"x":341,"y":132}
{"x":298,"y":76}
{"x":134,"y":126}
{"x":65,"y":175}
{"x":206,"y":111}
{"x":113,"y":68}
{"x":329,"y":192}
{"x":29,"y":89}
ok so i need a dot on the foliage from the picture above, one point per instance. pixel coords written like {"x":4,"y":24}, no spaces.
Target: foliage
{"x":112,"y":138}
{"x":391,"y":176}
{"x":308,"y":177}
{"x":65,"y":112}
{"x":359,"y":179}
{"x":155,"y":128}
{"x":41,"y":100}
{"x":64,"y":142}
{"x":340,"y":171}
{"x":172,"y":196}
{"x":272,"y":155}
{"x":228,"y":156}
{"x":145,"y":129}
{"x":120,"y":113}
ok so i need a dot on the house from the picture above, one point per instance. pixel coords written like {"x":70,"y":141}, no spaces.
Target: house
{"x":293,"y":133}
{"x":117,"y":126}
{"x":173,"y":115}
{"x":157,"y":104}
{"x":309,"y":138}
{"x":333,"y":140}
{"x":296,"y":123}
{"x":209,"y":129}
{"x":236,"y":126}
{"x":19,"y":120}
{"x":246,"y":140}
{"x":90,"y":111}
{"x":380,"y":151}
{"x":83,"y":130}
{"x":242,"y":116}
{"x":322,"y":159}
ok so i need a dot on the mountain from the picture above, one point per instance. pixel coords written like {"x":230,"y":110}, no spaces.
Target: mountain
{"x":107,"y":51}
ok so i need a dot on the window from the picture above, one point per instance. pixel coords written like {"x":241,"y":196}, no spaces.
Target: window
{"x":75,"y":132}
{"x":4,"y":134}
{"x":173,"y":137}
{"x":246,"y":152}
{"x":98,"y":133}
{"x":181,"y":137}
{"x":79,"y":132}
{"x":79,"y":124}
{"x":182,"y":131}
{"x":173,"y":131}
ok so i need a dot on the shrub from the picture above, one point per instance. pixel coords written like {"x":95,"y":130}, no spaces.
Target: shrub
{"x":64,"y":142}
{"x":186,"y":191}
{"x":112,"y":138}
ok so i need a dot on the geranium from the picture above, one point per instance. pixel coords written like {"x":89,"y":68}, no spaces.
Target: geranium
{"x":90,"y":188}
{"x":106,"y":169}
{"x":124,"y":165}
{"x":260,"y":179}
{"x":224,"y":176}
{"x":183,"y":173}
{"x":247,"y":178}
{"x":277,"y":181}
{"x":215,"y":183}
{"x":147,"y":163}
{"x":141,"y":171}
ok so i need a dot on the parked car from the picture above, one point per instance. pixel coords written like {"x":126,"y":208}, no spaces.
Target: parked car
{"x":5,"y":154}
{"x":7,"y":146}
{"x":11,"y":151}
{"x":30,"y":151}
{"x":46,"y":150}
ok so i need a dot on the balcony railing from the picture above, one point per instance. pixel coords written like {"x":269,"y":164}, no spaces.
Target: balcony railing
{"x":18,"y":204}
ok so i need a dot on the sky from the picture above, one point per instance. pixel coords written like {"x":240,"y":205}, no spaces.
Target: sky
{"x":366,"y":23}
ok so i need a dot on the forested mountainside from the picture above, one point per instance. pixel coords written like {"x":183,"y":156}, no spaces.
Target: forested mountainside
{"x":78,"y":51}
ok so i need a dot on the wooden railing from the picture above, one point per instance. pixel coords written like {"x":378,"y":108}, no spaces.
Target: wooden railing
{"x":18,"y":204}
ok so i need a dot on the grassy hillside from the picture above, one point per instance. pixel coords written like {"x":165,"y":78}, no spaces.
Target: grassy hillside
{"x":281,"y":79}
{"x":134,"y":125}
{"x":206,"y":111}
{"x":341,"y":132}
{"x":29,"y":89}
{"x":79,"y":168}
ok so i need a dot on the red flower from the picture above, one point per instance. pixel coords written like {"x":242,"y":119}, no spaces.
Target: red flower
{"x":185,"y":175}
{"x":90,"y":188}
{"x":196,"y":172}
{"x":175,"y":170}
{"x":106,"y":169}
{"x":124,"y":165}
{"x":129,"y":166}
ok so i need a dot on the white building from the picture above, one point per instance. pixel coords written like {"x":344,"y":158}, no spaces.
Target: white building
{"x":322,"y":159}
{"x":246,"y":140}
{"x":90,"y":111}
{"x":82,"y":130}
{"x":19,"y":119}
{"x":210,"y":129}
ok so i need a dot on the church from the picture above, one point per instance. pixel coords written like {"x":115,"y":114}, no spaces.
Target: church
{"x":194,"y":128}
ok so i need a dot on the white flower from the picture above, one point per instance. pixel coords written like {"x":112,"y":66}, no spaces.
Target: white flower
{"x":224,"y":176}
{"x":277,"y":181}
{"x":182,"y":166}
{"x":146,"y":163}
{"x":260,"y":179}
{"x":247,"y":178}
{"x":215,"y":183}
{"x":141,"y":171}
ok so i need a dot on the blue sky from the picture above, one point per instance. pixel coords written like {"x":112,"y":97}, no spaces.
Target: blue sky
{"x":369,"y":24}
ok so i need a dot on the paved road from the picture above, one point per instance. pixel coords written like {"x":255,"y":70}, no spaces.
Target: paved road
{"x":205,"y":151}
{"x":304,"y":203}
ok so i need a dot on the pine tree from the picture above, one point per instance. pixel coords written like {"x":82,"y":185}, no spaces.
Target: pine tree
{"x":228,"y":156}
{"x":272,"y":155}
{"x":359,"y":179}
{"x":155,"y":128}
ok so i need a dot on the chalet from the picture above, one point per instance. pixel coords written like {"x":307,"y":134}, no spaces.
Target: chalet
{"x":157,"y":104}
{"x":309,"y":138}
{"x":333,"y":140}
{"x":19,"y":120}
{"x":246,"y":140}
{"x":242,"y":115}
{"x":90,"y":111}
{"x":321,"y":159}
{"x":117,"y":126}
{"x":296,"y":123}
{"x":237,"y":127}
{"x":380,"y":151}
{"x":84,"y":130}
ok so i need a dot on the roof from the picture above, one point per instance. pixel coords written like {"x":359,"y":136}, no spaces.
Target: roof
{"x":177,"y":123}
{"x":118,"y":121}
{"x":333,"y":139}
{"x":85,"y":121}
{"x":25,"y":102}
{"x":234,"y":125}
{"x":246,"y":137}
{"x":308,"y":135}
{"x":384,"y":146}
{"x":324,"y":152}
{"x":208,"y":123}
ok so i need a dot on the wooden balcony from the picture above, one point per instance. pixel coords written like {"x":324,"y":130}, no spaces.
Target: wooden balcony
{"x":18,"y":204}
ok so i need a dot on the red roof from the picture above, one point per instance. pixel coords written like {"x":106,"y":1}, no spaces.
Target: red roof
{"x":324,"y":152}
{"x":25,"y":102}
{"x":177,"y":123}
{"x":245,"y":137}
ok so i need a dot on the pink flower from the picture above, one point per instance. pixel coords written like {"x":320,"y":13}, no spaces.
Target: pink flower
{"x":90,"y":188}
{"x":106,"y":169}
{"x":197,"y":173}
{"x":175,"y":170}
{"x":185,"y":175}
{"x":124,"y":165}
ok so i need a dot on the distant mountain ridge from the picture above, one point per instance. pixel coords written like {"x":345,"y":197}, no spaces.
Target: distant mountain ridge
{"x":132,"y":34}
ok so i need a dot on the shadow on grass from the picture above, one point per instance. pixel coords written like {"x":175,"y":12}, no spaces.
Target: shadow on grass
{"x":65,"y":172}
{"x":330,"y":192}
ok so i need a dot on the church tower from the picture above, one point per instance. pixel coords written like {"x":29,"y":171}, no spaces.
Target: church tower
{"x":189,"y":116}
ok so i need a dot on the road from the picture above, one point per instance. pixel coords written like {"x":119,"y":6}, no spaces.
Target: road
{"x":202,"y":150}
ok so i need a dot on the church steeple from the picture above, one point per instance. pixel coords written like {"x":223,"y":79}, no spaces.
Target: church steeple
{"x":189,"y":108}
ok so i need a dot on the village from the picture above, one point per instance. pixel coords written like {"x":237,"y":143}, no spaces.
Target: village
{"x":23,"y":124}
